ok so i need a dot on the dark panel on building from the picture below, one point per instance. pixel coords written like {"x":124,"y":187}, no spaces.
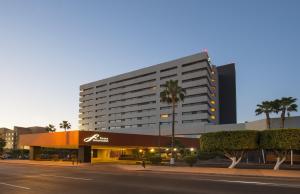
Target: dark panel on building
{"x":227,"y":93}
{"x":84,"y":154}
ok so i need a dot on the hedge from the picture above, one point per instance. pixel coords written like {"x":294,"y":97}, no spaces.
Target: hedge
{"x":280,"y":139}
{"x":229,"y":140}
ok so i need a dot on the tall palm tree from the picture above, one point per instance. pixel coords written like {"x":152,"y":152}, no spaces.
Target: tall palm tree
{"x":266,"y":107}
{"x":172,"y":94}
{"x":286,"y":105}
{"x":50,"y":128}
{"x":65,"y":125}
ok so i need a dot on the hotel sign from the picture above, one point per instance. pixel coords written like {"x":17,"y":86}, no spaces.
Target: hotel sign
{"x":96,"y":138}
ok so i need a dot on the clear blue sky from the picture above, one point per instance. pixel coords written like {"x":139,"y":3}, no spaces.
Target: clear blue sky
{"x":48,"y":48}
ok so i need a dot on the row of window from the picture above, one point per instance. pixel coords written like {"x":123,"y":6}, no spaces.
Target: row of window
{"x":131,"y":119}
{"x":132,"y":105}
{"x":134,"y":84}
{"x":134,"y":91}
{"x":151,"y":102}
{"x":151,"y":73}
{"x":131,"y":78}
{"x":132,"y":112}
{"x":195,"y":121}
{"x":149,"y":124}
{"x":132,"y":98}
{"x":133,"y":126}
{"x":194,"y":104}
{"x":145,"y":117}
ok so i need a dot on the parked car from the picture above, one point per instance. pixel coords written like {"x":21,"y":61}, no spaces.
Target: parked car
{"x":5,"y":156}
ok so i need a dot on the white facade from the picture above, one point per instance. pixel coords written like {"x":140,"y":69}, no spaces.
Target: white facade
{"x":131,"y":101}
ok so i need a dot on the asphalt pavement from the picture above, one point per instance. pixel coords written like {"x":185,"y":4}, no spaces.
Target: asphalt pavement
{"x":109,"y":179}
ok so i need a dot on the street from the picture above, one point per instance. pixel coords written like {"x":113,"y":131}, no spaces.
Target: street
{"x":38,"y":179}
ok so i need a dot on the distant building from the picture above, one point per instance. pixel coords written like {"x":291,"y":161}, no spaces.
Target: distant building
{"x":8,"y":136}
{"x":26,"y":130}
{"x":12,"y":136}
{"x":131,"y":101}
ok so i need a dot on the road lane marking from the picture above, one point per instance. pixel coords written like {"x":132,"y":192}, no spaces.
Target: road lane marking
{"x":254,"y":183}
{"x":67,"y":177}
{"x":16,"y":186}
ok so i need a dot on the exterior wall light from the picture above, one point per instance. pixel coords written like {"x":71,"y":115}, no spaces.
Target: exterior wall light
{"x":213,"y":117}
{"x":212,"y":102}
{"x":152,"y":150}
{"x":140,"y":150}
{"x":212,"y":109}
{"x":192,"y":149}
{"x":164,"y":116}
{"x":175,"y":149}
{"x":167,"y":149}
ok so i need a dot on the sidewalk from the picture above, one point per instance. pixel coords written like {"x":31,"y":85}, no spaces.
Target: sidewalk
{"x":46,"y":163}
{"x":219,"y":171}
{"x":166,"y":169}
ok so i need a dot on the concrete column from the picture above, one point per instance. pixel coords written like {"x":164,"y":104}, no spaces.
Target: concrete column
{"x":84,"y":154}
{"x":34,"y":150}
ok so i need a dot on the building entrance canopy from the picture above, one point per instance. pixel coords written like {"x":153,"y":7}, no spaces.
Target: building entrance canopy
{"x":75,"y":139}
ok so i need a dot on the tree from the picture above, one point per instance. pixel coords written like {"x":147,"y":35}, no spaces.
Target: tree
{"x":280,"y":141}
{"x":172,"y":94}
{"x":285,"y":105}
{"x":65,"y":125}
{"x":233,"y":144}
{"x":266,"y":107}
{"x":50,"y":128}
{"x":2,"y":145}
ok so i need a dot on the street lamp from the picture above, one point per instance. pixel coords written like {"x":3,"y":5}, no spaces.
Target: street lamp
{"x":162,"y":116}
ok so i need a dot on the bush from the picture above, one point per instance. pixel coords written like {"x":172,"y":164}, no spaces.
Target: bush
{"x":190,"y":160}
{"x":155,"y":159}
{"x":229,"y":140}
{"x":232,"y":143}
{"x":280,"y":139}
{"x":209,"y":155}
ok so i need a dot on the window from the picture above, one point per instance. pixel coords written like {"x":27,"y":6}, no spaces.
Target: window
{"x":87,"y":89}
{"x":169,"y":76}
{"x":131,"y":78}
{"x":195,"y":70}
{"x":168,"y":69}
{"x":194,"y":79}
{"x":100,"y":86}
{"x":102,"y":91}
{"x":193,"y":104}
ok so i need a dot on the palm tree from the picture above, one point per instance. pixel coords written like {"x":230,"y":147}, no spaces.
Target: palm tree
{"x":65,"y":125}
{"x":266,"y":107}
{"x":286,"y":105}
{"x":50,"y":128}
{"x":172,"y":94}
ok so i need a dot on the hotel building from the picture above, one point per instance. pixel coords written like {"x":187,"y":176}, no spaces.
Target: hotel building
{"x":131,"y":101}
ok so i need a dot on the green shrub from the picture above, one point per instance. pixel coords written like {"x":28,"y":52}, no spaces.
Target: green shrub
{"x":209,"y":155}
{"x":190,"y":160}
{"x":229,"y":140}
{"x":155,"y":159}
{"x":280,"y":139}
{"x":232,"y":143}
